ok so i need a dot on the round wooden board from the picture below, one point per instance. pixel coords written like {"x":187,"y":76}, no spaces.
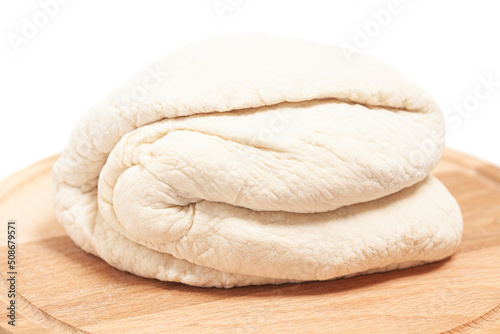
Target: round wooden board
{"x":61,"y":288}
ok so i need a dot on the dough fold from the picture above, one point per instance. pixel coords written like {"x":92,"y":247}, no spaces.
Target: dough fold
{"x":254,"y":159}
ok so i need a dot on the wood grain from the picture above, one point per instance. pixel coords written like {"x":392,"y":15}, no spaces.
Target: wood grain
{"x":63,"y":289}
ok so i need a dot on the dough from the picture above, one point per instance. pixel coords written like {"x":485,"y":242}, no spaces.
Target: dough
{"x":255,"y":159}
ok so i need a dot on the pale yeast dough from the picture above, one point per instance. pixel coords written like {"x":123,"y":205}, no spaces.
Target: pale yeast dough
{"x":244,"y":163}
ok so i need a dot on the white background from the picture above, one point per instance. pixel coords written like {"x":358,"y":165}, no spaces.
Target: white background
{"x":86,"y":48}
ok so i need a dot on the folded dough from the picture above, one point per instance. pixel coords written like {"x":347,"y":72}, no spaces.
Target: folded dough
{"x":259,"y":159}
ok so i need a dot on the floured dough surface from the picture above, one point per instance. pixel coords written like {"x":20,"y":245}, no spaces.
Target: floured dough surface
{"x":227,"y":246}
{"x":259,"y":159}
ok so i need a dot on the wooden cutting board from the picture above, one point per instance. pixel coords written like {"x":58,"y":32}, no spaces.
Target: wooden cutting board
{"x":61,"y":288}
